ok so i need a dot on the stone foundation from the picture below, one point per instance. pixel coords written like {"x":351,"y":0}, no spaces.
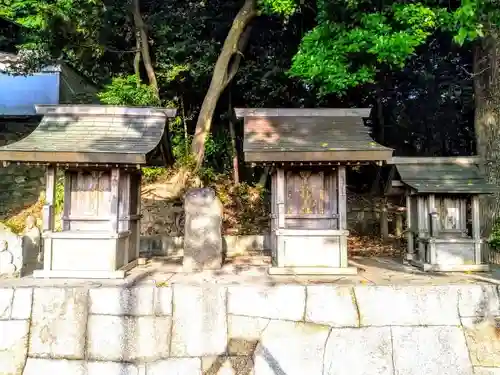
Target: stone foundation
{"x":231,"y":245}
{"x":211,"y":329}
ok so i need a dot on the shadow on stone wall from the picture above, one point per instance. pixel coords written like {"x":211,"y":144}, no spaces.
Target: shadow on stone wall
{"x":211,"y":329}
{"x":238,"y":358}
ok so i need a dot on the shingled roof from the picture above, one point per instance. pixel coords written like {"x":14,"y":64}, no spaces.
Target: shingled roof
{"x":310,"y":135}
{"x":446,"y":175}
{"x":92,"y":134}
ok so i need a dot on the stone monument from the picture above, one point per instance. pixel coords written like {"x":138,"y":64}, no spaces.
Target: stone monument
{"x":7,"y":267}
{"x":202,"y":230}
{"x":10,"y":252}
{"x":32,"y":254}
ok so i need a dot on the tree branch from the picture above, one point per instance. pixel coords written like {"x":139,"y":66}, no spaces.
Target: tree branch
{"x":146,"y":55}
{"x":474,"y":74}
{"x":222,"y":72}
{"x":238,"y":55}
{"x":137,"y":59}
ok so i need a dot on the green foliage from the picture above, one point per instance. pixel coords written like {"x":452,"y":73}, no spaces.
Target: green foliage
{"x":59,"y":201}
{"x":245,"y":206}
{"x":355,"y":40}
{"x":282,"y":7}
{"x":15,"y":226}
{"x":153,"y":174}
{"x":218,"y":151}
{"x":494,"y":240}
{"x":337,"y":56}
{"x":125,"y":90}
{"x":57,"y":28}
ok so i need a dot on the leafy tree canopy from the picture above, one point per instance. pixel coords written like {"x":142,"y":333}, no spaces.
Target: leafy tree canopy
{"x":355,"y":39}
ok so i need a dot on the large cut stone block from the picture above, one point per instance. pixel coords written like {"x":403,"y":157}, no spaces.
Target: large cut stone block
{"x":244,"y":333}
{"x":478,"y":300}
{"x":13,"y":346}
{"x":202,"y":230}
{"x":21,"y":304}
{"x":199,"y":321}
{"x":122,"y":301}
{"x":39,"y":366}
{"x":430,"y":351}
{"x":483,"y":340}
{"x":118,"y":338}
{"x":15,"y":303}
{"x":59,"y":323}
{"x":175,"y":366}
{"x":114,"y":368}
{"x":285,"y":302}
{"x":291,"y":348}
{"x":6,"y":299}
{"x":407,"y":305}
{"x":359,"y":351}
{"x":222,"y":365}
{"x":163,"y":300}
{"x":486,"y":370}
{"x":331,"y":305}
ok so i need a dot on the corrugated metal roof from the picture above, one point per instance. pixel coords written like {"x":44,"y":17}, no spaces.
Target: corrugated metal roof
{"x":311,"y":134}
{"x":95,"y":131}
{"x":444,"y":177}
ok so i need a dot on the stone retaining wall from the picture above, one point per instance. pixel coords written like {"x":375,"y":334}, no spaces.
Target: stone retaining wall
{"x":247,"y":329}
{"x":232,"y":245}
{"x":20,"y":185}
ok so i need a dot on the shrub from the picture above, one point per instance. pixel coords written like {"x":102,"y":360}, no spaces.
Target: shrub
{"x":494,"y":240}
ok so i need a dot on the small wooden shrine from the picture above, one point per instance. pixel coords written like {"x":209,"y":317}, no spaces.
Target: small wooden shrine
{"x":308,"y":150}
{"x":99,"y":151}
{"x":442,"y":204}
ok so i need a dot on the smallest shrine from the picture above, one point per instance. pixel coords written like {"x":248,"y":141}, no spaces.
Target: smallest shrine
{"x":442,"y":204}
{"x":98,"y":152}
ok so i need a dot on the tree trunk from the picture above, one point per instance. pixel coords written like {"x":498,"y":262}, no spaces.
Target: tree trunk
{"x":487,"y":121}
{"x":224,"y":71}
{"x":146,"y":54}
{"x":137,"y":58}
{"x":232,"y":132}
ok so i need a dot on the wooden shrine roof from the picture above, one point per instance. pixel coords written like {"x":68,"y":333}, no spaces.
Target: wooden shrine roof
{"x":91,"y":134}
{"x":309,"y":135}
{"x":442,"y":175}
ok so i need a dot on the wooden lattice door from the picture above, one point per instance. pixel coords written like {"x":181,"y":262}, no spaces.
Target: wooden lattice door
{"x":310,"y":200}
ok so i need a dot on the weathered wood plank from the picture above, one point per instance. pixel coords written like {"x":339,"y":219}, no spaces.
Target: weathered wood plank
{"x":67,"y":200}
{"x":104,"y":110}
{"x":115,"y":197}
{"x":296,"y":112}
{"x":48,"y":215}
{"x":280,"y":197}
{"x":319,"y":156}
{"x":476,"y":230}
{"x":464,"y":160}
{"x":342,"y":212}
{"x":50,"y":198}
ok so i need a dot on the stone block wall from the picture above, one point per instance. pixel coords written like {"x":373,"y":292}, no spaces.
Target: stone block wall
{"x":231,"y":245}
{"x":20,"y":186}
{"x":211,"y":329}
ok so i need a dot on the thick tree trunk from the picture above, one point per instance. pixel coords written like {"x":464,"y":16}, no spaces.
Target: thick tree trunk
{"x":224,"y":71}
{"x":145,"y":52}
{"x":487,"y":121}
